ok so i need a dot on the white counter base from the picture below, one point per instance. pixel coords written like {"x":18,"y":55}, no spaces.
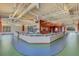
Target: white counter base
{"x":40,"y":39}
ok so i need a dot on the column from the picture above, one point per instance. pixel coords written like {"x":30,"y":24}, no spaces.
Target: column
{"x":23,"y":28}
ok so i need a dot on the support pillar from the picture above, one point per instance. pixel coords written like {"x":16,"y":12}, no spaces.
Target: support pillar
{"x":23,"y":28}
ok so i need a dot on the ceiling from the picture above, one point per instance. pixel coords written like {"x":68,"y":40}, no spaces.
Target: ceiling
{"x":64,"y":12}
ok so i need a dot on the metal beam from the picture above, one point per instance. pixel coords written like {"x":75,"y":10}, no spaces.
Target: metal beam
{"x":18,"y":8}
{"x":30,"y":7}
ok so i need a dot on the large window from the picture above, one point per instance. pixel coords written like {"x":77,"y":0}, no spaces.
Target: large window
{"x":71,"y":29}
{"x":6,"y":28}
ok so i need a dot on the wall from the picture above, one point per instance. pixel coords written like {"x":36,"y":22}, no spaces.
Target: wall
{"x":1,"y":27}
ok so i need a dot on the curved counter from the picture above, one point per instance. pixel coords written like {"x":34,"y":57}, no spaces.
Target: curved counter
{"x":52,"y":48}
{"x":40,"y":38}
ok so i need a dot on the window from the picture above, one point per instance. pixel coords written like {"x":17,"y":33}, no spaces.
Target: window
{"x":6,"y":28}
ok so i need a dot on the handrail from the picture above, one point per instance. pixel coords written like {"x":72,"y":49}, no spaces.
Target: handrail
{"x":37,"y":34}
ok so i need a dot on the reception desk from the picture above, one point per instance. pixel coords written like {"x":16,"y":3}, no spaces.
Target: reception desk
{"x":40,"y":38}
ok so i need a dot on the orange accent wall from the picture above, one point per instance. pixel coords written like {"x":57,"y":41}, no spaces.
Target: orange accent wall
{"x":1,"y":27}
{"x":44,"y":27}
{"x":48,"y":27}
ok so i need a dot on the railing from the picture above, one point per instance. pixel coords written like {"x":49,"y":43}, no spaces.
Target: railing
{"x":37,"y":34}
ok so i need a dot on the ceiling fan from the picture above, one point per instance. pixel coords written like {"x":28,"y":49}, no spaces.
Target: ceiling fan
{"x":14,"y":20}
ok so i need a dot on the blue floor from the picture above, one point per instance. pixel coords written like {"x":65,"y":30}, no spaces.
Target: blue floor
{"x":39,"y":49}
{"x":12,"y":46}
